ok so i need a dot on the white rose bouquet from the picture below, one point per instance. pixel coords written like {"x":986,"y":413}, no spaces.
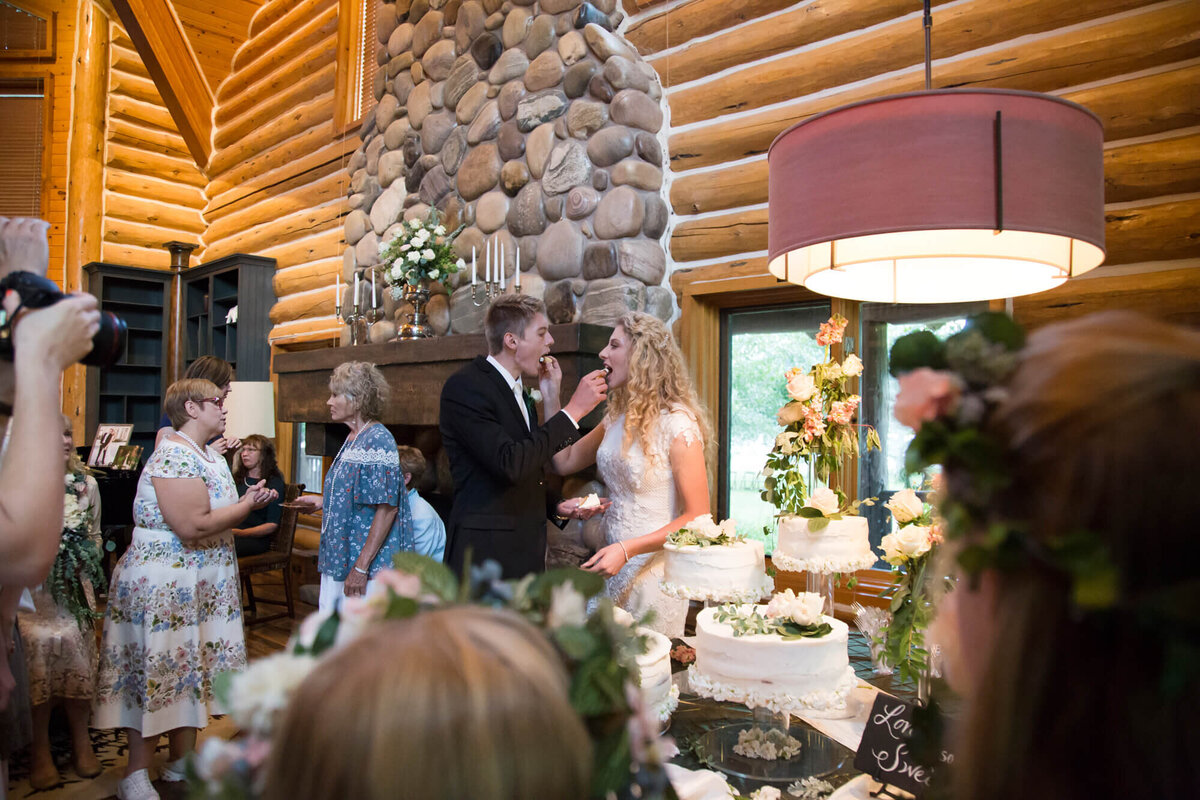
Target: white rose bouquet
{"x":419,"y":251}
{"x":77,"y":573}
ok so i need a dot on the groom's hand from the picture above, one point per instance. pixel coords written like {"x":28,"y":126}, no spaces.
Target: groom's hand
{"x":591,"y":392}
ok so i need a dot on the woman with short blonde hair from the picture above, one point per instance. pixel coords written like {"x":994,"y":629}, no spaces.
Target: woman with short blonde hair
{"x":365,"y":517}
{"x":466,"y":702}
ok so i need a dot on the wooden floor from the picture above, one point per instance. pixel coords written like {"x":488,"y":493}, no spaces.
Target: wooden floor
{"x":261,"y":640}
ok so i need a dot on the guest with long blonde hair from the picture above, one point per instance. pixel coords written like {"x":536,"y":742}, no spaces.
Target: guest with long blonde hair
{"x":649,"y":450}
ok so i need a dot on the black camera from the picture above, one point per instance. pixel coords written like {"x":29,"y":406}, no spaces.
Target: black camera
{"x":108,"y":344}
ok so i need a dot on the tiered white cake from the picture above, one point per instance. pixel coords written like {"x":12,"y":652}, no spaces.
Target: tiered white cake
{"x":707,"y":561}
{"x":810,"y":676}
{"x":823,"y":545}
{"x":659,"y":694}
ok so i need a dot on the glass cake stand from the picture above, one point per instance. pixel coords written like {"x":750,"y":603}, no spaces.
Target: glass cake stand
{"x":818,"y":754}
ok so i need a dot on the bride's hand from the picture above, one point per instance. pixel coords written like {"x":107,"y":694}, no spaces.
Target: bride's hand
{"x":607,"y":561}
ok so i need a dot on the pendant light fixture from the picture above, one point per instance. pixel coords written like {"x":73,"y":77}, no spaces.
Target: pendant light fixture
{"x":938,"y":196}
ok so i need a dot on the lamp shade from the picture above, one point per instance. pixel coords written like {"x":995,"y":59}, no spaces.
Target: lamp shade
{"x":250,"y":408}
{"x":938,"y":197}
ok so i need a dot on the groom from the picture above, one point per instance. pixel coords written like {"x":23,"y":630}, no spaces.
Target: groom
{"x":498,"y":452}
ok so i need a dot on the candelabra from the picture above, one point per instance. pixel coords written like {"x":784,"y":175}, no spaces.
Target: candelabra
{"x":493,"y":277}
{"x":358,"y":318}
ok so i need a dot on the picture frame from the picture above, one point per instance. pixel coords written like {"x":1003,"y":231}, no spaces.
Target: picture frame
{"x":127,"y":457}
{"x":108,"y":441}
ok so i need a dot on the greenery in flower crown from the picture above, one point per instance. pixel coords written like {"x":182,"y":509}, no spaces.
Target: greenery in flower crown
{"x":419,"y":251}
{"x":818,"y":425}
{"x":598,"y":651}
{"x":78,"y":558}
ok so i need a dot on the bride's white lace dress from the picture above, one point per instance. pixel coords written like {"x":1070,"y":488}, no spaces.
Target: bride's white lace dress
{"x":644,"y":499}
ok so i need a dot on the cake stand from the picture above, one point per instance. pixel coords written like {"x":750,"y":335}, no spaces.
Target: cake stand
{"x":818,"y":754}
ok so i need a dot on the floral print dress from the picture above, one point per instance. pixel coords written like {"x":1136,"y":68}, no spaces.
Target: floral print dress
{"x":174,"y":617}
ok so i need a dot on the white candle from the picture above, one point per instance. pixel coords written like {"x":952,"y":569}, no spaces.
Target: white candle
{"x":356,"y":291}
{"x":517,"y":282}
{"x":337,"y":294}
{"x":502,"y":269}
{"x":487,"y":263}
{"x":472,"y":266}
{"x":372,"y":288}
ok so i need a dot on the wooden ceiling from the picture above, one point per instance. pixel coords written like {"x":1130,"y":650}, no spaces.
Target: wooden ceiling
{"x":216,"y":29}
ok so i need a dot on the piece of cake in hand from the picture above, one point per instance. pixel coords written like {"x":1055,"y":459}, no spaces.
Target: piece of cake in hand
{"x":787,"y":657}
{"x":709,"y":561}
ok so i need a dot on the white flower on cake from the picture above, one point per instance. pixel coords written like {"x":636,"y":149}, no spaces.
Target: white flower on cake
{"x":704,"y":532}
{"x":911,"y":541}
{"x":799,"y":385}
{"x":803,"y":609}
{"x":852,"y":366}
{"x":824,"y":500}
{"x":765,"y":793}
{"x":905,"y":506}
{"x":567,"y":607}
{"x":259,"y":694}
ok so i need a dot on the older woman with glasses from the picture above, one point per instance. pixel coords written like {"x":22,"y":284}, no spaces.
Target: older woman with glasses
{"x":174,"y":616}
{"x":366,"y":519}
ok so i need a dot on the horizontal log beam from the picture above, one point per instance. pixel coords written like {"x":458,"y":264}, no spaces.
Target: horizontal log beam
{"x":135,"y":256}
{"x":137,"y":88}
{"x":134,"y":110}
{"x":1152,"y":169}
{"x":751,"y":134}
{"x":281,"y":230}
{"x":286,"y":184}
{"x":740,"y":185}
{"x":714,"y":237}
{"x":272,"y":106}
{"x":285,"y":43}
{"x":167,"y":191}
{"x":308,"y":196}
{"x":291,"y":68}
{"x":327,"y":244}
{"x":141,"y":234}
{"x":695,"y":18}
{"x":307,"y":277}
{"x":305,"y":117}
{"x":1173,"y":295}
{"x":172,"y":169}
{"x":127,"y":60}
{"x":302,"y":306}
{"x":152,"y":211}
{"x":292,"y":158}
{"x":305,"y":331}
{"x":147,"y":137}
{"x":163,"y":45}
{"x":1065,"y":56}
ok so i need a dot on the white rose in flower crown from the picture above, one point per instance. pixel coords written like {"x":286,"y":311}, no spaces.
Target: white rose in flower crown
{"x":257,"y":695}
{"x":800,"y":386}
{"x":824,"y":500}
{"x":905,"y":506}
{"x":803,"y":608}
{"x":567,"y":607}
{"x":852,"y":366}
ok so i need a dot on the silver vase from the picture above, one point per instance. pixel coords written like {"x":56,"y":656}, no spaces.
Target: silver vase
{"x":417,"y":326}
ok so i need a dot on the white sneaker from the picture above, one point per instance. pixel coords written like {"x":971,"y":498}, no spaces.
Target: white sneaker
{"x":137,"y":787}
{"x":173,"y":771}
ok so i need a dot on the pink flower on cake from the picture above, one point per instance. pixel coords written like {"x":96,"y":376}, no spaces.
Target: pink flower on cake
{"x":925,"y":395}
{"x":800,"y":386}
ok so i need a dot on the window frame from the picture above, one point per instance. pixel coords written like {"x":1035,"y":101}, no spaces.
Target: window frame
{"x":47,"y":157}
{"x":46,"y":53}
{"x":357,"y":63}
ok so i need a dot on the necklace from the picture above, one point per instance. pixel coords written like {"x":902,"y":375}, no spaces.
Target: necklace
{"x":197,"y":447}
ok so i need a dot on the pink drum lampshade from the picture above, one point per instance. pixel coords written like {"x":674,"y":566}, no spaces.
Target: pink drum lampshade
{"x":938,"y":196}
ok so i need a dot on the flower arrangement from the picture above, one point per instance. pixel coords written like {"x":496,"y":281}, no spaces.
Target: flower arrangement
{"x":788,"y":615}
{"x":598,"y":650}
{"x":704,"y":532}
{"x":419,"y":251}
{"x":818,"y":425}
{"x":910,"y":550}
{"x":77,"y":566}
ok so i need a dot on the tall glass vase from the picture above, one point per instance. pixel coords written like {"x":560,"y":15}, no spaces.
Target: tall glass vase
{"x":417,"y":326}
{"x":821,"y":583}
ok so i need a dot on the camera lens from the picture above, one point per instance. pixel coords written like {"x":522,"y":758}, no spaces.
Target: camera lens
{"x":108,"y":344}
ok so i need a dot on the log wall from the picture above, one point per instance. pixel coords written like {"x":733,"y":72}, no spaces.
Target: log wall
{"x":153,"y":191}
{"x":737,"y":74}
{"x":277,"y":181}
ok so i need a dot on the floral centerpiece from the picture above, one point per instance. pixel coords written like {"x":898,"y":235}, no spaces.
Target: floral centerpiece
{"x":598,"y":650}
{"x":417,"y":254}
{"x":76,"y":573}
{"x":734,"y":576}
{"x":910,"y":550}
{"x":819,"y":428}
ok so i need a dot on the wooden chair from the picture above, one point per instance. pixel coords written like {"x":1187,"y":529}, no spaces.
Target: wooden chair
{"x":277,"y":558}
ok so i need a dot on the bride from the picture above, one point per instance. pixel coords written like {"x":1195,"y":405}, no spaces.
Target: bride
{"x":649,"y":449}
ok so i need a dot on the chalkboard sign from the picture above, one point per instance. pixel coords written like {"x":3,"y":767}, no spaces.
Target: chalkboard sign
{"x":884,"y":752}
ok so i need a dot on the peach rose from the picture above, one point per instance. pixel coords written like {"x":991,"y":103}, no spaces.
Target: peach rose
{"x":925,"y":395}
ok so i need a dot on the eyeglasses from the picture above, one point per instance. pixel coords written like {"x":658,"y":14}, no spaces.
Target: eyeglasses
{"x":219,"y":402}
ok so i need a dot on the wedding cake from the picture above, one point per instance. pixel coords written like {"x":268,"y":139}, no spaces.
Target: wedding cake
{"x":709,"y":561}
{"x":658,"y":693}
{"x":788,"y":657}
{"x":827,"y":541}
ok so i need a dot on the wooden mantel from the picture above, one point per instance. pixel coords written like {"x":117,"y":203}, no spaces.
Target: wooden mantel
{"x":416,"y":371}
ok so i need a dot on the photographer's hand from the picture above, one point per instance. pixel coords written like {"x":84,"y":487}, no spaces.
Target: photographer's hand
{"x":56,"y":336}
{"x":23,"y":245}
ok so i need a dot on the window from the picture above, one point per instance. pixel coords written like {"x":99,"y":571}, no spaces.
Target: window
{"x":881,"y":472}
{"x":24,"y":34}
{"x":758,"y":346}
{"x":357,"y":63}
{"x":23,"y":109}
{"x":306,"y":469}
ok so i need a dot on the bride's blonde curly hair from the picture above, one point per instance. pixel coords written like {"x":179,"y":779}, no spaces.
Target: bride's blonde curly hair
{"x":658,"y":382}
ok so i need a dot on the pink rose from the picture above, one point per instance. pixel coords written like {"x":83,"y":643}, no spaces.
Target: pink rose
{"x":402,"y":583}
{"x":925,"y":395}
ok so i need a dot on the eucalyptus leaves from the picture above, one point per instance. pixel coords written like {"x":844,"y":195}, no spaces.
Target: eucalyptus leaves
{"x":78,"y":560}
{"x":789,"y":616}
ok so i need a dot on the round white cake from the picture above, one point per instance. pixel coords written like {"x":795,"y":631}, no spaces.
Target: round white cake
{"x":840,"y":546}
{"x":654,"y":675}
{"x":735,"y":573}
{"x":810,"y":676}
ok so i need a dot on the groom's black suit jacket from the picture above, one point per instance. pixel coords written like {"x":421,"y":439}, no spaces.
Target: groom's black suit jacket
{"x":499,"y":466}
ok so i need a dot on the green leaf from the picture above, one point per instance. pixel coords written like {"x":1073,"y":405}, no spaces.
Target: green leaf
{"x":914,"y":350}
{"x":400,"y":607}
{"x":576,"y":642}
{"x":588,"y":584}
{"x":998,"y":327}
{"x":790,"y":631}
{"x":808,"y":512}
{"x":818,"y":524}
{"x":436,"y":578}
